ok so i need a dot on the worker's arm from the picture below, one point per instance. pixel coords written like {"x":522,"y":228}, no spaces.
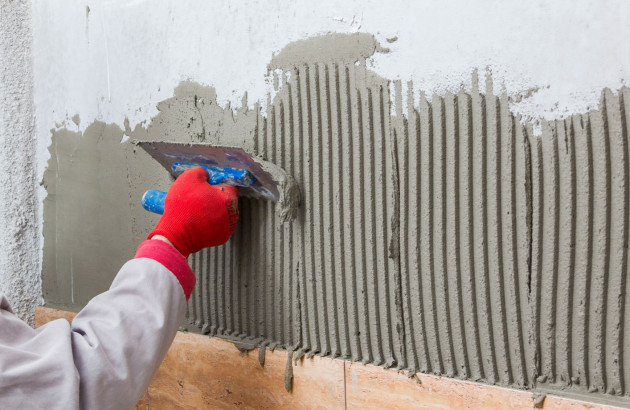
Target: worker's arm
{"x":116,"y":343}
{"x":120,"y":338}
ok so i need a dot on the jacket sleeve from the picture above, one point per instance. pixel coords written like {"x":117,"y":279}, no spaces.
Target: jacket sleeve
{"x":121,"y":336}
{"x":108,"y":356}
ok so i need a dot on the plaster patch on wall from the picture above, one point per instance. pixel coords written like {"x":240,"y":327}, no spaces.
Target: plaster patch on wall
{"x":88,"y":213}
{"x":445,"y":238}
{"x":337,"y":47}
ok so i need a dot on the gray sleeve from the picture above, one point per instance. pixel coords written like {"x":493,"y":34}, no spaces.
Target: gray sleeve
{"x":121,"y":337}
{"x":36,"y":367}
{"x":107,"y":358}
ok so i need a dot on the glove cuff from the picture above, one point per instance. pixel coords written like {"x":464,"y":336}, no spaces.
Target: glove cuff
{"x":177,"y":240}
{"x":171,"y":259}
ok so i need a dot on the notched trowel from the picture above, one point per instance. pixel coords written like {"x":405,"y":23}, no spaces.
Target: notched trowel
{"x":225,"y":165}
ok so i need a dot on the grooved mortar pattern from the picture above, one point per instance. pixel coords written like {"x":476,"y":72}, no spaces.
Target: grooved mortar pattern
{"x":438,"y":235}
{"x":446,"y":239}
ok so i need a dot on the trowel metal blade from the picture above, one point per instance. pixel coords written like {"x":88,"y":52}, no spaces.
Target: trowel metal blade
{"x":167,"y":153}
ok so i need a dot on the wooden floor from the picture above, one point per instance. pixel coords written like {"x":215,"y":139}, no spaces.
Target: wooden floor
{"x":203,"y":372}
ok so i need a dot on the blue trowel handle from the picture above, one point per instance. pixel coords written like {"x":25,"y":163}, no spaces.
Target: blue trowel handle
{"x":219,"y":175}
{"x":153,"y":200}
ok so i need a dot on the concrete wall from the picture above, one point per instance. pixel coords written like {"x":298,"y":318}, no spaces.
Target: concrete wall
{"x":20,"y":235}
{"x":450,"y":158}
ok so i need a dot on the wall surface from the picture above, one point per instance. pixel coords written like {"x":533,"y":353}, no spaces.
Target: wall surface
{"x":19,"y":208}
{"x":463,"y":171}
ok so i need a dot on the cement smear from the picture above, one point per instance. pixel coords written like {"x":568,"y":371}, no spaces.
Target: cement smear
{"x":92,"y":217}
{"x":443,"y":238}
{"x":337,"y":47}
{"x":289,"y":201}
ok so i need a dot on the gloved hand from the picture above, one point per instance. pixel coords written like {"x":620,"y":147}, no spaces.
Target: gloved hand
{"x":198,"y":215}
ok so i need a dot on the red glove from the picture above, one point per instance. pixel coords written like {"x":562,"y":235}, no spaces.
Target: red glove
{"x":198,"y":215}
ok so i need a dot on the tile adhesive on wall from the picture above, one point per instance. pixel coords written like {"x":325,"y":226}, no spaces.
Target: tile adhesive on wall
{"x":437,"y":234}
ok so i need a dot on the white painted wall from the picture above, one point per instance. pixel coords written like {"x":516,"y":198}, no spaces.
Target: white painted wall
{"x":123,"y":56}
{"x":19,"y":224}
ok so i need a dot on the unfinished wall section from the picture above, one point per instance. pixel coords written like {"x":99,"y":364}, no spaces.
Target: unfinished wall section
{"x":442,"y":239}
{"x":579,"y":264}
{"x":437,"y":233}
